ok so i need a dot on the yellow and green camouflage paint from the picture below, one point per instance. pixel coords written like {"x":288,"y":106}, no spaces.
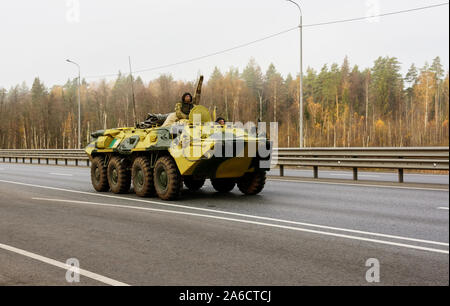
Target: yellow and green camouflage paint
{"x":195,"y":148}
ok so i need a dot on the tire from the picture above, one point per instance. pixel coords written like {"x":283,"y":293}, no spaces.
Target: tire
{"x":193,"y":184}
{"x":167,"y":178}
{"x":252,"y":183}
{"x":99,"y":177}
{"x":142,"y":176}
{"x":223,"y":185}
{"x":119,"y":176}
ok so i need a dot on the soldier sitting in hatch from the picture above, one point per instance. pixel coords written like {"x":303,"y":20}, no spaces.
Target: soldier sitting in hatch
{"x":182,"y":110}
{"x":221,"y":121}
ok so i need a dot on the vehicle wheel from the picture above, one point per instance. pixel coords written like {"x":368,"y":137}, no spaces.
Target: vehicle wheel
{"x":98,"y":174}
{"x":193,"y":184}
{"x":167,"y":178}
{"x":223,"y":185}
{"x":252,"y":183}
{"x":142,"y":175}
{"x":119,"y":176}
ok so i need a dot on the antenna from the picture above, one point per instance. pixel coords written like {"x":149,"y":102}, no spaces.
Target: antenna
{"x":132,"y":92}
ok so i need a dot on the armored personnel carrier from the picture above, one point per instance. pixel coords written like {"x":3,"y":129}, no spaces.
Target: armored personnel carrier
{"x":157,"y":160}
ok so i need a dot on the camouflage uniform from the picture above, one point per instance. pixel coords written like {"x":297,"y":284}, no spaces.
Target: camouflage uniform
{"x":182,"y":111}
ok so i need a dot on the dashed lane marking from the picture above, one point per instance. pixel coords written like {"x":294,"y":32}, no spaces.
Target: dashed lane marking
{"x":60,"y":174}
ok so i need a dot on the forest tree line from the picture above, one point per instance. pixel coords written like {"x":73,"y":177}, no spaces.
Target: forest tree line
{"x":344,"y":106}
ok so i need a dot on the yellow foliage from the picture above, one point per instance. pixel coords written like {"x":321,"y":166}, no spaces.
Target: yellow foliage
{"x":57,"y":91}
{"x":380,"y":125}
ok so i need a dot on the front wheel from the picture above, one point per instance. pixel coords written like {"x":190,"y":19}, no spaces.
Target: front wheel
{"x":252,"y":183}
{"x":168,"y":181}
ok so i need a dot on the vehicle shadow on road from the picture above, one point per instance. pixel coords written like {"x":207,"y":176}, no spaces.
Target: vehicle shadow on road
{"x":208,"y":197}
{"x":213,"y":198}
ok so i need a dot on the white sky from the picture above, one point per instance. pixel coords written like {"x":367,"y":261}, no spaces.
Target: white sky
{"x":37,"y":36}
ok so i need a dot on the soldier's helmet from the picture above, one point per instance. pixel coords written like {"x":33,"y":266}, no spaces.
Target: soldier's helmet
{"x":184,"y":97}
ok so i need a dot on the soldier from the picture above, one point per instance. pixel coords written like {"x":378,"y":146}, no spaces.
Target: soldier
{"x":220,"y":121}
{"x":182,"y":110}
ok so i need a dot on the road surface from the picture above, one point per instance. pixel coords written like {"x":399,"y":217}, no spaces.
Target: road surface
{"x":294,"y":233}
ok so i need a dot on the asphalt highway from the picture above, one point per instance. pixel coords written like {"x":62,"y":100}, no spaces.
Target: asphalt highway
{"x":293,"y":233}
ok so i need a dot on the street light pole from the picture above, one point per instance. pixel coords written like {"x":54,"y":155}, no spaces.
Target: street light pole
{"x":301,"y":73}
{"x":79,"y":102}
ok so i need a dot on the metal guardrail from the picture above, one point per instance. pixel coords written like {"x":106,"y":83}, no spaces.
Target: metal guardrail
{"x":46,"y":155}
{"x":422,"y":158}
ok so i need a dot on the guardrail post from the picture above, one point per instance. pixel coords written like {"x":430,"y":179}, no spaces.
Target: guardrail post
{"x":281,"y":170}
{"x":401,"y":177}
{"x":316,"y":172}
{"x":47,"y":161}
{"x":355,"y":174}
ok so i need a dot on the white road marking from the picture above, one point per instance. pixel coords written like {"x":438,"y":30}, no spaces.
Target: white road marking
{"x":291,"y":222}
{"x":91,"y":275}
{"x":60,"y":174}
{"x":231,"y":213}
{"x":251,"y":222}
{"x":443,"y":208}
{"x":361,"y":185}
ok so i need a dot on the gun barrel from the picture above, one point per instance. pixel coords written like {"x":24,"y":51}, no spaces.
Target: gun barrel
{"x":198,"y":92}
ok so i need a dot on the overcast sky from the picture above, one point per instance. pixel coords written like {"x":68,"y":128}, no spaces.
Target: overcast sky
{"x":37,"y":36}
